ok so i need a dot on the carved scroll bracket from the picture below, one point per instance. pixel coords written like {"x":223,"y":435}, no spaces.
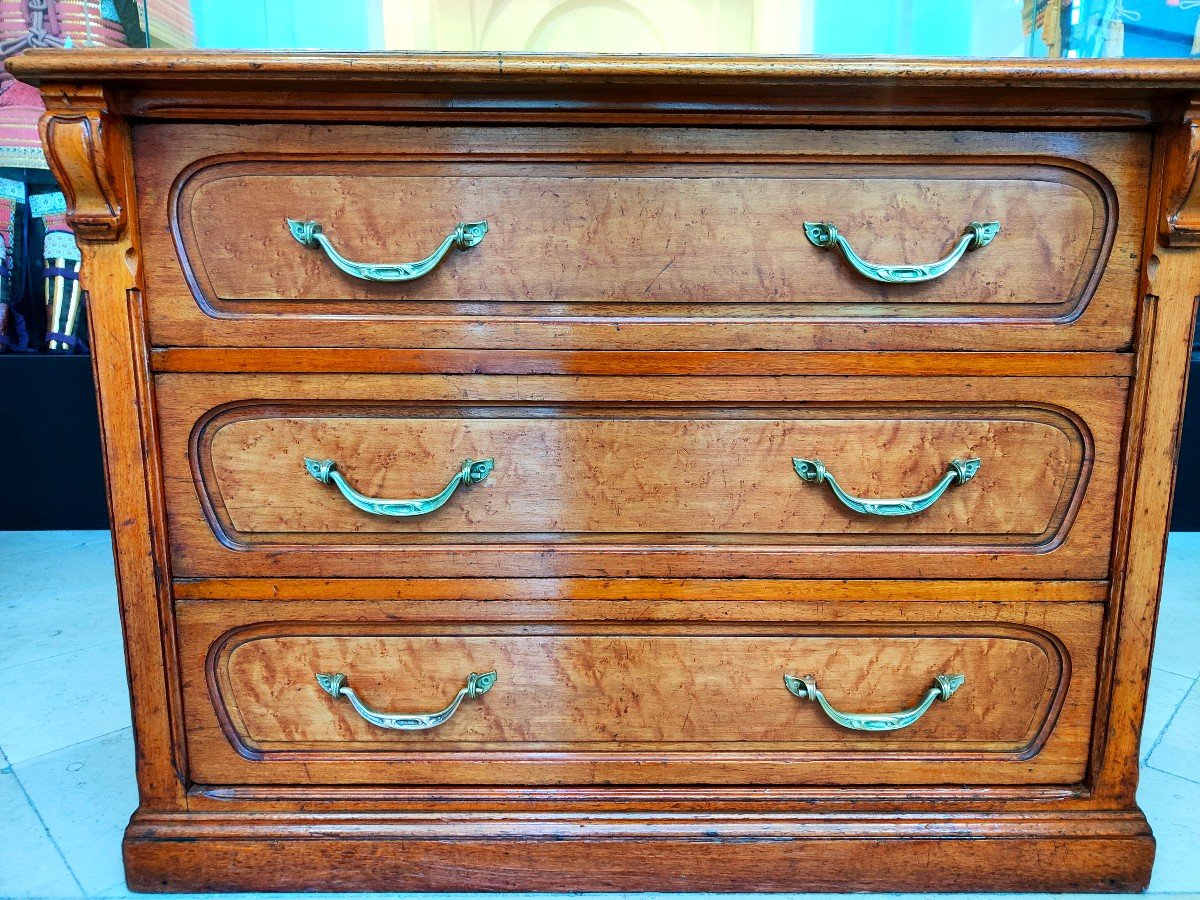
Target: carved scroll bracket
{"x":88,"y":153}
{"x":1179,"y":217}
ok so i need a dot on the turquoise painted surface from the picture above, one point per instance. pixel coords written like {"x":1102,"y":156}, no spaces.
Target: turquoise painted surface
{"x":908,"y":28}
{"x":288,"y":24}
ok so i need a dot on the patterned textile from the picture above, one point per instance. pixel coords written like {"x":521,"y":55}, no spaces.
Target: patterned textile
{"x":64,"y":300}
{"x":20,"y":108}
{"x":12,"y":197}
{"x":170,"y":23}
{"x":85,"y":23}
{"x":46,"y":23}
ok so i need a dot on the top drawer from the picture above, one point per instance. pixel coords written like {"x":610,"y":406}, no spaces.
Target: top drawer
{"x":639,"y":239}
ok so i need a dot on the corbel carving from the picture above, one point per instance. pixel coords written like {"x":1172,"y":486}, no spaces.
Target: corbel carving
{"x":1179,"y":217}
{"x":87,"y":153}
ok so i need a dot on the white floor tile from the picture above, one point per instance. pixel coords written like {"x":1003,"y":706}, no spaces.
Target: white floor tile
{"x":83,"y":566}
{"x":17,"y":544}
{"x":38,"y":624}
{"x":58,"y":702}
{"x":1166,"y":693}
{"x":1175,"y":643}
{"x":85,"y":795}
{"x":1170,"y":804}
{"x":1178,"y":750}
{"x":58,"y":599}
{"x":30,"y":866}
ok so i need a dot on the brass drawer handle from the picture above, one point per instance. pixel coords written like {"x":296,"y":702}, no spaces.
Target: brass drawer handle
{"x":464,"y":235}
{"x":977,"y":234}
{"x":335,"y":685}
{"x":960,"y":472}
{"x":471,"y":472}
{"x":943,"y":688}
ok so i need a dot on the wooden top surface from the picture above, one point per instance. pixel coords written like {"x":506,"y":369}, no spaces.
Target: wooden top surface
{"x":323,"y":86}
{"x":254,"y":68}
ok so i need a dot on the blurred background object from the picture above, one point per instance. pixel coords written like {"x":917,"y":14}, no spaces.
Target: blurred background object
{"x":47,"y":406}
{"x":971,"y":28}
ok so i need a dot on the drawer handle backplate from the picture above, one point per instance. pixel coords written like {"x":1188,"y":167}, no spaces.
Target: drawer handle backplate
{"x":977,"y":234}
{"x":943,"y":688}
{"x":471,"y":472}
{"x":464,"y":236}
{"x":960,"y":472}
{"x":335,"y":685}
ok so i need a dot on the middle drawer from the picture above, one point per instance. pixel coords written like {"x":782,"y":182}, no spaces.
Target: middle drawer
{"x":550,"y":476}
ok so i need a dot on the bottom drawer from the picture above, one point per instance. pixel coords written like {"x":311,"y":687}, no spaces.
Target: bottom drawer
{"x":925,"y":693}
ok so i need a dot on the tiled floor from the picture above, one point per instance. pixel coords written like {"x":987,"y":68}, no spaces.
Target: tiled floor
{"x":66,"y":755}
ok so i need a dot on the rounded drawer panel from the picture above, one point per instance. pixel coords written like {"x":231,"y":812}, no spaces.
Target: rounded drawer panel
{"x":553,"y":691}
{"x":930,"y":700}
{"x":1004,"y":477}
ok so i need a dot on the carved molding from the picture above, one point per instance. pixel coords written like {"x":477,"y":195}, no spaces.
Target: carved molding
{"x":1179,"y":218}
{"x":88,"y":157}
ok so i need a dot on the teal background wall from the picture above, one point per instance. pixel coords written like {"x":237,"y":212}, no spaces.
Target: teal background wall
{"x":903,"y":27}
{"x":285,"y":24}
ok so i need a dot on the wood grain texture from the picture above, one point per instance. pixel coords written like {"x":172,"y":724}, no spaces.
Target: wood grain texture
{"x":566,"y":691}
{"x":640,"y":593}
{"x":1179,"y":215}
{"x":646,"y":237}
{"x":1107,"y":146}
{"x":656,"y":492}
{"x":90,"y":150}
{"x":1156,"y":415}
{"x":1109,"y":851}
{"x":346,"y":360}
{"x":594,"y":245}
{"x":657,"y":702}
{"x":1108,"y":77}
{"x":593,"y":473}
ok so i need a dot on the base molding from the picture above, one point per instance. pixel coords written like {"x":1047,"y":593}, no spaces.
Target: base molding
{"x":509,"y":851}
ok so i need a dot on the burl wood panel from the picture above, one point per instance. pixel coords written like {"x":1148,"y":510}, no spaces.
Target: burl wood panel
{"x":643,"y":233}
{"x":632,"y":239}
{"x":599,"y":473}
{"x":697,"y":702}
{"x":645,"y":476}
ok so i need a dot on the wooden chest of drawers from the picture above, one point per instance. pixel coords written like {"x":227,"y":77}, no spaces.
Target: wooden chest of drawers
{"x":536,"y":473}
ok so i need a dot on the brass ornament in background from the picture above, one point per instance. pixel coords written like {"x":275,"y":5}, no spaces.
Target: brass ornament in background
{"x":943,"y":688}
{"x":977,"y":234}
{"x":464,"y":236}
{"x":470,"y":472}
{"x":813,"y":471}
{"x":335,"y":685}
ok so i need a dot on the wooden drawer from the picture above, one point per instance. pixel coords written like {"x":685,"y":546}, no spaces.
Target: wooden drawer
{"x":640,"y":702}
{"x":632,"y":239}
{"x":691,"y":477}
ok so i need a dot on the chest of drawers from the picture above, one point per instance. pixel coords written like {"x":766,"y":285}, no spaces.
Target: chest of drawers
{"x":616,"y":474}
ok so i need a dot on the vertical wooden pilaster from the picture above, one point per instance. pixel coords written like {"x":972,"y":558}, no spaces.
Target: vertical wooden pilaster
{"x":90,"y":153}
{"x":1172,"y":284}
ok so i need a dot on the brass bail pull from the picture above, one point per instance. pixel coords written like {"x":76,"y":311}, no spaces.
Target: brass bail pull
{"x":334,"y":684}
{"x":464,"y":236}
{"x":977,"y":234}
{"x":470,"y":472}
{"x":943,"y":688}
{"x":959,"y":471}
